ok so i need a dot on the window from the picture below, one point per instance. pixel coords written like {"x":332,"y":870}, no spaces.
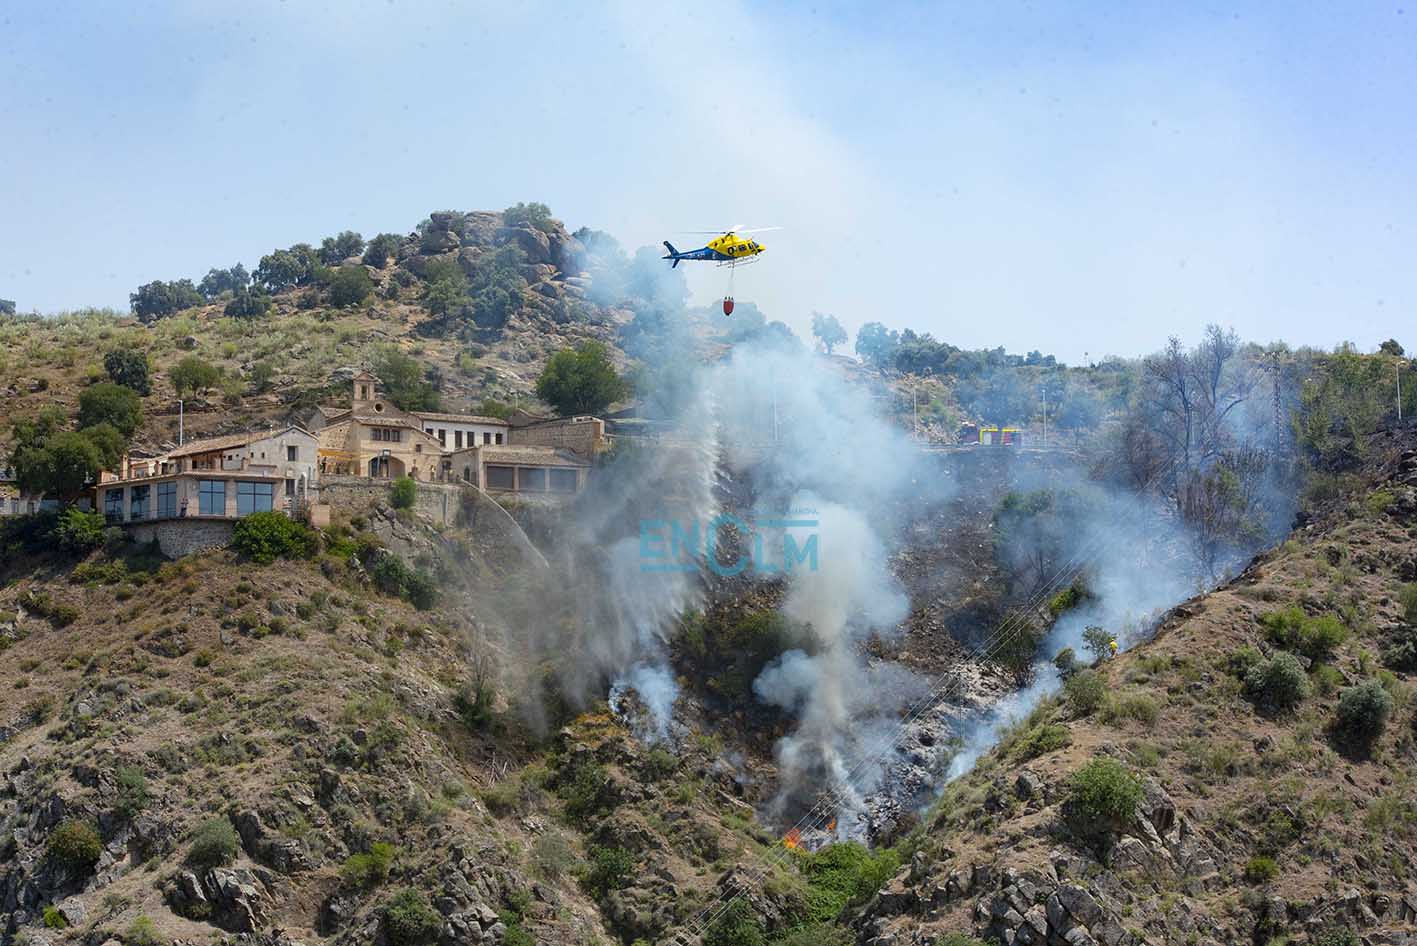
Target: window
{"x":531,"y":479}
{"x":501,"y":477}
{"x":486,"y":436}
{"x":563,"y":481}
{"x":292,"y":453}
{"x":290,"y":487}
{"x":467,"y":474}
{"x":113,"y":505}
{"x":442,"y":438}
{"x":387,"y":434}
{"x":254,"y":497}
{"x":457,"y":439}
{"x":211,"y":497}
{"x":364,"y":392}
{"x":166,"y":500}
{"x":499,"y":438}
{"x":138,"y":503}
{"x":428,"y":431}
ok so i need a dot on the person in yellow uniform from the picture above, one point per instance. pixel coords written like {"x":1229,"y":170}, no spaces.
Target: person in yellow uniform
{"x":1112,"y":644}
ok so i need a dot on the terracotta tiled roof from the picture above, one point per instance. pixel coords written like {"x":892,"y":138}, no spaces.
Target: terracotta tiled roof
{"x":461,"y":418}
{"x":211,"y":444}
{"x":532,"y":454}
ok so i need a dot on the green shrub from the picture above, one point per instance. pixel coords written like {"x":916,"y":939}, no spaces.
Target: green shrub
{"x":1042,"y":739}
{"x":817,"y":934}
{"x":1067,"y":662}
{"x":1260,"y":869}
{"x":552,"y":856}
{"x":842,"y":874}
{"x":76,"y":846}
{"x":350,"y":285}
{"x":53,"y":919}
{"x":1136,"y":706}
{"x":265,"y":536}
{"x":1277,"y":685}
{"x":736,"y":925}
{"x":142,"y":932}
{"x":132,"y":790}
{"x":1105,"y":791}
{"x":1098,"y":642}
{"x":959,"y":939}
{"x":584,"y":791}
{"x":611,"y":868}
{"x":1085,"y":691}
{"x":248,"y":304}
{"x":409,"y":920}
{"x":1314,"y":637}
{"x":1407,"y":596}
{"x":1326,"y":679}
{"x":79,"y":531}
{"x":128,"y":367}
{"x":1363,"y":712}
{"x":214,"y":844}
{"x":367,"y":869}
{"x":1337,"y":936}
{"x":393,"y":577}
{"x":403,"y":492}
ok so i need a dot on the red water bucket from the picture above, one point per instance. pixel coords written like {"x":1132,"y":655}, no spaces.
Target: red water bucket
{"x":727,"y":305}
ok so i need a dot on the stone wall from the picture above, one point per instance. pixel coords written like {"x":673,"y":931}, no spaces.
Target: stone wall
{"x":585,"y":437}
{"x":179,"y":537}
{"x":436,"y":502}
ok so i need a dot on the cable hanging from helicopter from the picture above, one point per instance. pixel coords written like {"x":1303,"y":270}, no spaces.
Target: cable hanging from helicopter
{"x":730,"y":248}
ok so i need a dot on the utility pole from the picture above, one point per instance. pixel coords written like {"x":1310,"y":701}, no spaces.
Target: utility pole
{"x":1045,"y":413}
{"x":180,"y":419}
{"x":1399,"y":391}
{"x":915,"y":415}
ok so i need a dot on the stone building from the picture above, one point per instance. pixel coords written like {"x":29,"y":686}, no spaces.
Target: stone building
{"x":214,"y":478}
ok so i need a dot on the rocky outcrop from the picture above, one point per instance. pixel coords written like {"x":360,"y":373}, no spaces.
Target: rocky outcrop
{"x":236,"y":899}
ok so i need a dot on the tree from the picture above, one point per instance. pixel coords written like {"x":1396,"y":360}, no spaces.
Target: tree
{"x":113,"y":404}
{"x":193,"y":375}
{"x":534,"y":215}
{"x":351,"y":285}
{"x":405,"y":381}
{"x":128,"y":367}
{"x":445,"y":295}
{"x":1391,"y":347}
{"x":7,"y":306}
{"x":1363,"y":712}
{"x":157,"y":298}
{"x":876,"y":344}
{"x":581,"y":380}
{"x":1080,"y":410}
{"x":248,"y":304}
{"x":827,"y":330}
{"x":336,"y":249}
{"x":62,"y":465}
{"x":381,"y":249}
{"x":1098,"y":642}
{"x":285,"y":269}
{"x":217,"y":281}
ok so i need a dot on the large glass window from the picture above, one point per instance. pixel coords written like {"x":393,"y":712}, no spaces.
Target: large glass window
{"x":501,"y":477}
{"x":254,"y":497}
{"x":138,"y":504}
{"x":563,"y":481}
{"x":113,"y":505}
{"x":166,"y":500}
{"x":211,"y":497}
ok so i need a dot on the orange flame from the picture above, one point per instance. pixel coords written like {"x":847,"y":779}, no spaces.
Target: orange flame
{"x":831,"y":827}
{"x":792,"y":840}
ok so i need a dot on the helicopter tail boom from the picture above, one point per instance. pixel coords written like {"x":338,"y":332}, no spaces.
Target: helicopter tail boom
{"x":673,"y":255}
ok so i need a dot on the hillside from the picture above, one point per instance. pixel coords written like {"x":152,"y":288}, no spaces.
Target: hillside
{"x":1252,"y":823}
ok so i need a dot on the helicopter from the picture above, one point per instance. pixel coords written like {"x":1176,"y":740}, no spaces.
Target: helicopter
{"x":731,"y":248}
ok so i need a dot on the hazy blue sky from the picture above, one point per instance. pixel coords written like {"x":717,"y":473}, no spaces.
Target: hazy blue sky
{"x":1065,"y":177}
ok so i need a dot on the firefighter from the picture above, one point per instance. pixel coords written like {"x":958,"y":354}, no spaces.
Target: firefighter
{"x":1112,"y":645}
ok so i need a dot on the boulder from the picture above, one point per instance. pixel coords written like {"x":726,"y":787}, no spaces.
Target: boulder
{"x":533,"y":243}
